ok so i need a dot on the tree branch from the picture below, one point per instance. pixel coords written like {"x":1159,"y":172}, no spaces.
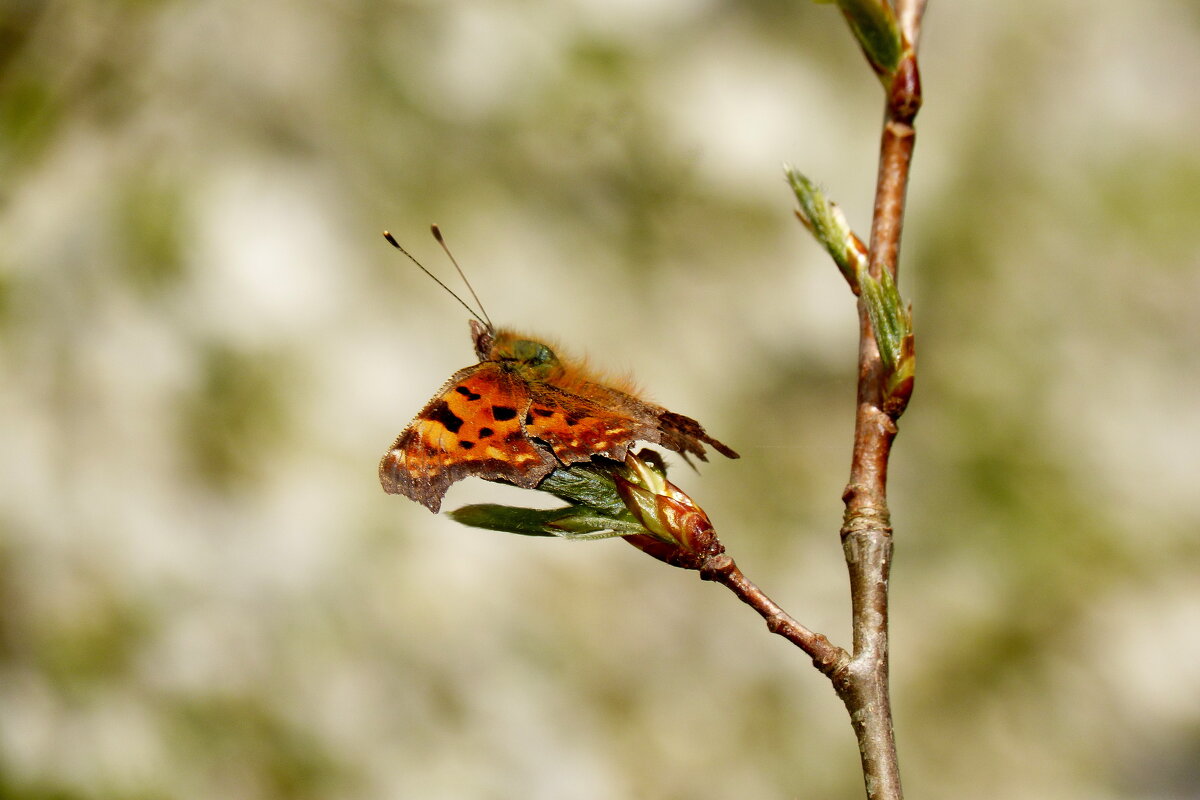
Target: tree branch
{"x":827,"y":657}
{"x":866,"y":531}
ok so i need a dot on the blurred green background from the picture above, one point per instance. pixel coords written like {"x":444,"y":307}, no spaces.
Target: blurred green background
{"x":205,"y":346}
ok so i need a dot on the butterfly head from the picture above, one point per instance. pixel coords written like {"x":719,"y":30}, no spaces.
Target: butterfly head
{"x":531,"y":357}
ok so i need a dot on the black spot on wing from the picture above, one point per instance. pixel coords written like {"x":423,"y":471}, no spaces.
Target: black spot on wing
{"x":503,"y":413}
{"x":467,"y":393}
{"x":440,"y":412}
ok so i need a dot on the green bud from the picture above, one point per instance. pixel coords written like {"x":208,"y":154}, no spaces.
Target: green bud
{"x":826,"y":222}
{"x":878,"y":33}
{"x":891,"y":319}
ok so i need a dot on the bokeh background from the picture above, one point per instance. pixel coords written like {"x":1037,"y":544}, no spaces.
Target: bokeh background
{"x":205,"y":346}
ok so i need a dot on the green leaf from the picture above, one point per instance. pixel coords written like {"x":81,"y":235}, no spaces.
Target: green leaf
{"x":596,"y":510}
{"x":587,"y":484}
{"x":577,"y":522}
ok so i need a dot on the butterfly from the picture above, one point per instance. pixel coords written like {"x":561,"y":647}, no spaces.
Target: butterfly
{"x":519,"y":414}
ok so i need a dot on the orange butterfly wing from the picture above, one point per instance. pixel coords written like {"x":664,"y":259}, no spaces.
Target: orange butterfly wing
{"x":607,"y":421}
{"x":576,"y":428}
{"x":472,"y":427}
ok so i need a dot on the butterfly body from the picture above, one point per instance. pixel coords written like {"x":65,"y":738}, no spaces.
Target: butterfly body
{"x":520,"y":413}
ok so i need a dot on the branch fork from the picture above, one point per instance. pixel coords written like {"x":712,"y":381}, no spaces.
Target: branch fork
{"x":634,"y":499}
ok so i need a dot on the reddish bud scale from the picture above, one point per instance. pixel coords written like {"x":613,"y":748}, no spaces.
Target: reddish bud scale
{"x":679,"y":532}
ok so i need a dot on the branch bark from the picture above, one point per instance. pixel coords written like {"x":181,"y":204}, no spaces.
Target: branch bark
{"x":827,"y":657}
{"x":866,"y":530}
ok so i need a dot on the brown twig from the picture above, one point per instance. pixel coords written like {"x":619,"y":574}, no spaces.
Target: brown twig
{"x":826,"y":656}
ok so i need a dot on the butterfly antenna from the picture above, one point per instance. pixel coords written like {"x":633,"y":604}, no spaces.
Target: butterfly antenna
{"x":437,"y":234}
{"x":392,"y":241}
